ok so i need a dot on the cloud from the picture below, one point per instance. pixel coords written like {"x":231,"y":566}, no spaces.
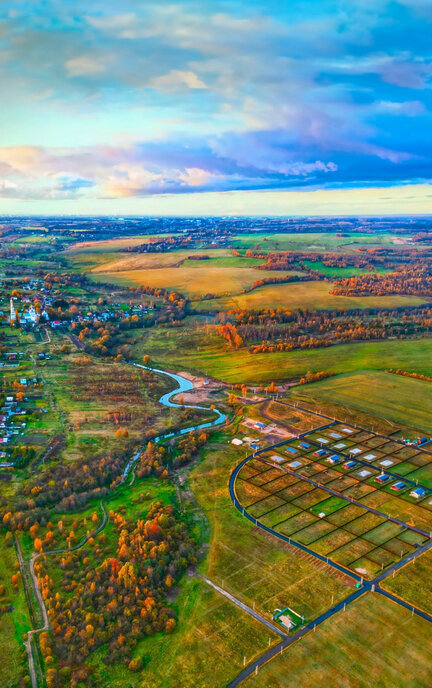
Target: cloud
{"x":176,"y":80}
{"x":213,"y":96}
{"x":84,"y":65}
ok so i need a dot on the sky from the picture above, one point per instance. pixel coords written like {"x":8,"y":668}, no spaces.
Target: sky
{"x":282,"y":107}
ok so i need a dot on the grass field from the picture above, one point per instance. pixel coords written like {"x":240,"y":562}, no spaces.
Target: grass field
{"x":414,"y":582}
{"x":13,"y":623}
{"x":313,"y":295}
{"x":252,"y":566}
{"x":111,"y":245}
{"x":401,"y":399}
{"x":338,"y":273}
{"x":373,"y":643}
{"x":305,"y":241}
{"x":105,"y":261}
{"x":207,"y":648}
{"x":189,"y":350}
{"x":191,"y":281}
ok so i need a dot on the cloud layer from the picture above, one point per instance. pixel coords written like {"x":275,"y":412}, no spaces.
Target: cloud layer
{"x":225,"y":95}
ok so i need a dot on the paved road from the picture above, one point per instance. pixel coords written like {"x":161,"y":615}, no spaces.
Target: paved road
{"x":245,"y":608}
{"x":373,"y":585}
{"x":293,"y":638}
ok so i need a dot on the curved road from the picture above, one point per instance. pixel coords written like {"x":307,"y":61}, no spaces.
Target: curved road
{"x":366,"y":586}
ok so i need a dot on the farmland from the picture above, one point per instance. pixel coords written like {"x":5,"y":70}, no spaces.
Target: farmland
{"x":341,"y":511}
{"x":133,"y":602}
{"x":388,"y":398}
{"x":196,"y":281}
{"x":374,"y":642}
{"x":318,"y":242}
{"x":313,"y":295}
{"x":413,"y":583}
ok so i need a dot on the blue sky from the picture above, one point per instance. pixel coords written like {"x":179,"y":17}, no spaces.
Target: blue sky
{"x":215,"y":106}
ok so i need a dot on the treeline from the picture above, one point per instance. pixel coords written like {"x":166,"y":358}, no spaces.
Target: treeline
{"x":117,"y":602}
{"x":314,"y":377}
{"x":161,"y":244}
{"x":404,"y":373}
{"x":272,"y":330}
{"x":414,"y":279}
{"x":276,"y":280}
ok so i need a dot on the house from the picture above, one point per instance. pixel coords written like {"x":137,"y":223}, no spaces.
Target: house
{"x":320,"y":452}
{"x":334,"y":458}
{"x":397,"y":487}
{"x":383,"y":478}
{"x":291,"y":450}
{"x":418,"y":493}
{"x":304,"y":445}
{"x":349,"y":464}
{"x":236,"y":442}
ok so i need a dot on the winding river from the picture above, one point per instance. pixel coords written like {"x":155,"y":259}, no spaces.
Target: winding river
{"x":183,"y":385}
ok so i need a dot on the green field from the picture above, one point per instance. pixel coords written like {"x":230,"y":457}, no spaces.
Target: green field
{"x":206,"y":649}
{"x":373,"y":643}
{"x":252,"y":566}
{"x":14,"y":623}
{"x":189,"y":350}
{"x":414,"y":582}
{"x":402,"y":399}
{"x":338,"y":273}
{"x":312,"y":295}
{"x":305,"y":241}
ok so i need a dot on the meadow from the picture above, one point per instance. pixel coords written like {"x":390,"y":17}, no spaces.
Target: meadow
{"x":310,"y":241}
{"x":373,"y":643}
{"x":245,"y":561}
{"x":312,"y":295}
{"x":414,"y":582}
{"x":401,"y":399}
{"x":338,"y":273}
{"x":104,"y":261}
{"x":192,"y":350}
{"x":207,"y":648}
{"x":191,"y":281}
{"x":111,"y":245}
{"x":14,"y":622}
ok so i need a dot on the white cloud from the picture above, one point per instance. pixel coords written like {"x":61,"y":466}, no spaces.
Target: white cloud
{"x":177,"y":80}
{"x":84,"y":65}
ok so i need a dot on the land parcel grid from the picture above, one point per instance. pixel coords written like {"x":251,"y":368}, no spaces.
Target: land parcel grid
{"x":329,"y":491}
